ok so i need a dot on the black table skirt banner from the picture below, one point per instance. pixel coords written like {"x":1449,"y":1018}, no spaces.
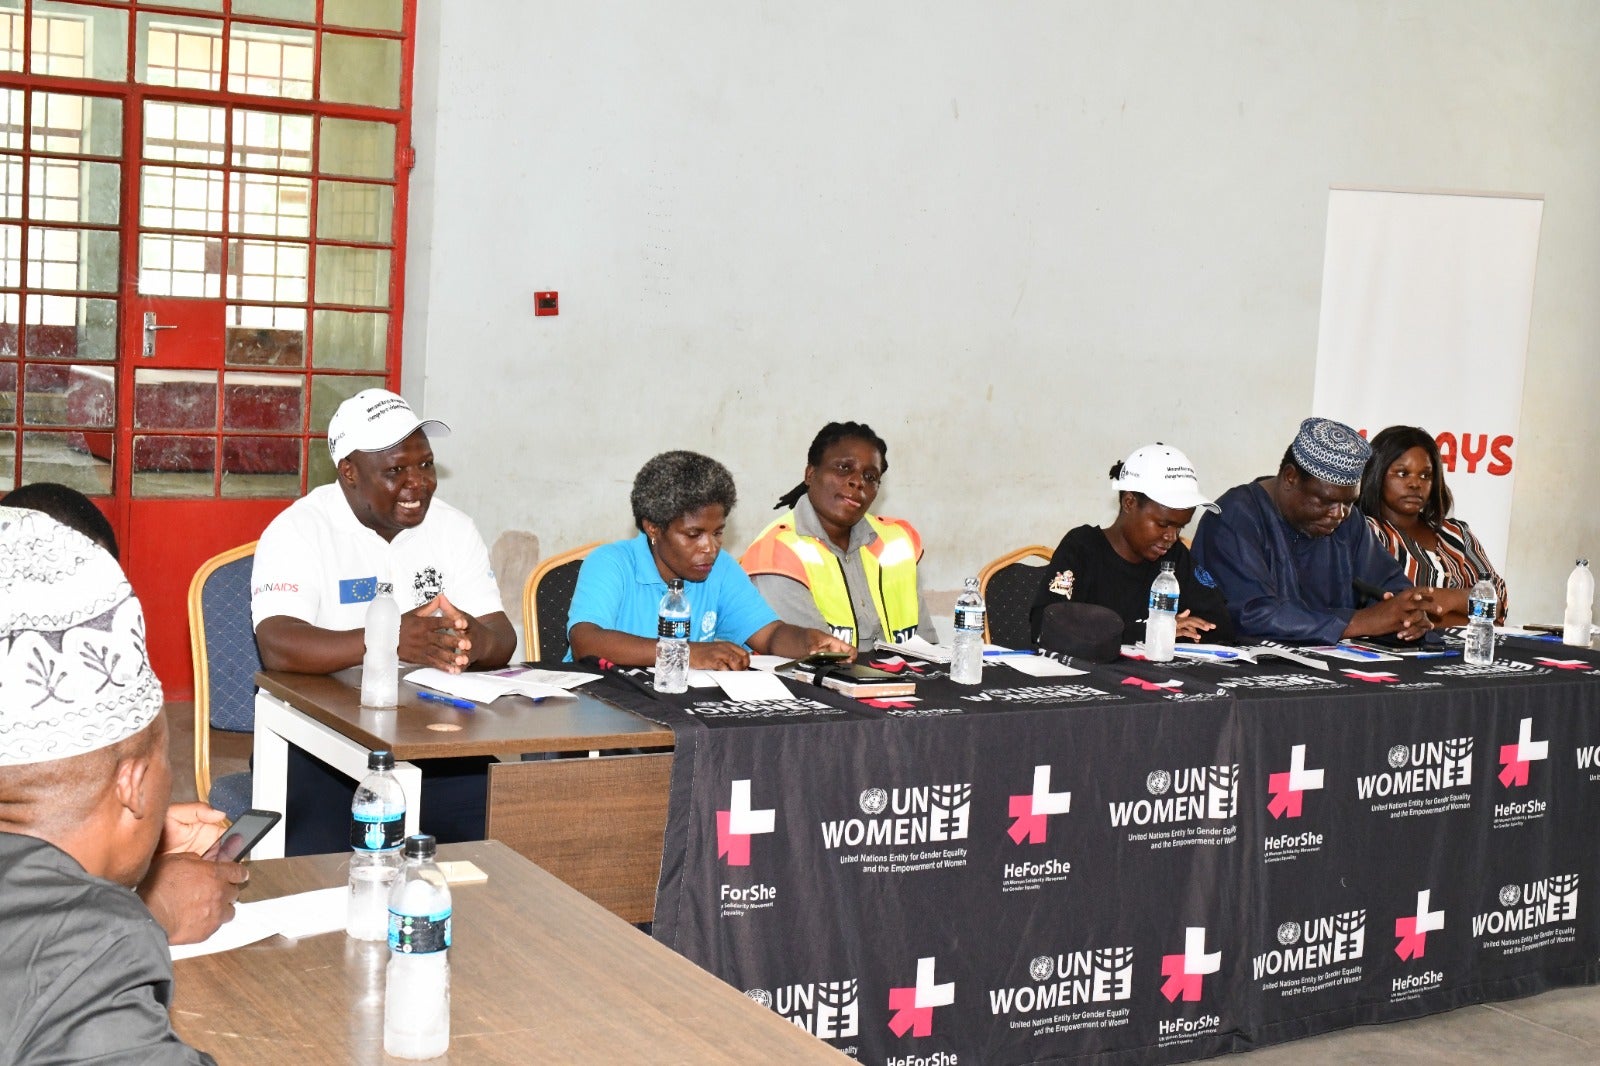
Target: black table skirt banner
{"x":1144,"y":863}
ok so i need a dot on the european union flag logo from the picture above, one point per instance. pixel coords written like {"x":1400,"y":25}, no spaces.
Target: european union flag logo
{"x":358,"y":590}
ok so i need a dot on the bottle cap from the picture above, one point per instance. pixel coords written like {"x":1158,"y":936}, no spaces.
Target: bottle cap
{"x":380,"y":760}
{"x":421,"y":846}
{"x":675,"y":584}
{"x":1167,"y":564}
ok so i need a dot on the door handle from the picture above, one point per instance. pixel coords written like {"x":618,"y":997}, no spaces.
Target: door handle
{"x":150,"y":327}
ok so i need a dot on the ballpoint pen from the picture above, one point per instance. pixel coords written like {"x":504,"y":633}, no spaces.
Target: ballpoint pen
{"x":454,"y":701}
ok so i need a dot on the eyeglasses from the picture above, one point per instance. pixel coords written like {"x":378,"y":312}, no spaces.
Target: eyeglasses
{"x":847,"y":468}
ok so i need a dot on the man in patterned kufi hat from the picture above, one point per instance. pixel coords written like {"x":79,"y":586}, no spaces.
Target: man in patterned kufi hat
{"x":85,"y":971}
{"x":1290,"y":564}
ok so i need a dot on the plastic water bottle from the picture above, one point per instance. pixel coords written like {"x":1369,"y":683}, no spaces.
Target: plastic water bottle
{"x":1483,"y":603}
{"x":1580,"y":605}
{"x":377,"y":822}
{"x":1161,"y":622}
{"x":416,"y":1001}
{"x":966,"y":657}
{"x":380,"y":666}
{"x":672,"y":640}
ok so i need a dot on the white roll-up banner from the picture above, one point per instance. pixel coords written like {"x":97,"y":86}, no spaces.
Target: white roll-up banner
{"x":1426,"y":299}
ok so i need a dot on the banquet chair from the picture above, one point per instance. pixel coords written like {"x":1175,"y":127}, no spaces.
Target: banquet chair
{"x":225,"y":664}
{"x":545,"y":598}
{"x":1008,"y":585}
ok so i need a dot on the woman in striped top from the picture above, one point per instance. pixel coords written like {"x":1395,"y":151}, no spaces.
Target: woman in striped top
{"x":1404,"y":497}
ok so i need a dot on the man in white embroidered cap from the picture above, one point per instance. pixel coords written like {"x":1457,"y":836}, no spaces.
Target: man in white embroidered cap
{"x":321,"y":562}
{"x":85,"y":973}
{"x":1291,"y":564}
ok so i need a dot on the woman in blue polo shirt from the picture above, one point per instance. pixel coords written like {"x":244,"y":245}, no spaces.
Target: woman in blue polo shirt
{"x":681,"y":502}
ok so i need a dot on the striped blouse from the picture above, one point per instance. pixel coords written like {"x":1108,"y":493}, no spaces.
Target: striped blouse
{"x":1458,"y":564}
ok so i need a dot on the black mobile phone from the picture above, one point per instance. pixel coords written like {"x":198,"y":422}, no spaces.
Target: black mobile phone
{"x":245,"y":833}
{"x":825,"y":658}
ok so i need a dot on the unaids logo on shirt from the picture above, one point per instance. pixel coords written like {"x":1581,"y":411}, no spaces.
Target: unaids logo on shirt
{"x":829,"y":1010}
{"x":899,"y":816}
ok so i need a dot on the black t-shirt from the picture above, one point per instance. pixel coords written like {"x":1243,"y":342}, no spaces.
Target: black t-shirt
{"x":1087,"y":569}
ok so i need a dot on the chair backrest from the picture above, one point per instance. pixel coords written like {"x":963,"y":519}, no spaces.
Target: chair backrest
{"x":1008,"y":586}
{"x":226,"y":659}
{"x":545,"y":598}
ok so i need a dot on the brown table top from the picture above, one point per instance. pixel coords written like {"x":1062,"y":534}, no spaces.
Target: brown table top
{"x":422,"y":729}
{"x":538,"y":974}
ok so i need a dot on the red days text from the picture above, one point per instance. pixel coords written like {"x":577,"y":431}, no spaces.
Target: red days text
{"x":1472,"y":449}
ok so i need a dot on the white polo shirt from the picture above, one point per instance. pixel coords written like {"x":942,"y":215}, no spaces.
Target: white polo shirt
{"x":317,"y":563}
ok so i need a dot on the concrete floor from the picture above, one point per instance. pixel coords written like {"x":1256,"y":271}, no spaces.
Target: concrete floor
{"x":1560,"y":1028}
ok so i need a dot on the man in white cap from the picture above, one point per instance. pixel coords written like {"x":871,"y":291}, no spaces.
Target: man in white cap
{"x":85,"y":970}
{"x":1290,"y":564}
{"x":321,"y":562}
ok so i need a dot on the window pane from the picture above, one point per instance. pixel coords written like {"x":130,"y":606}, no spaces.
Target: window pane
{"x":263,"y":402}
{"x":11,"y":256}
{"x":10,"y":37}
{"x":82,"y":125}
{"x":265,"y":336}
{"x":171,"y":265}
{"x":352,"y":276}
{"x":271,"y":61}
{"x":77,"y":41}
{"x":320,"y":468}
{"x":347,"y":211}
{"x":267,"y":270}
{"x":61,"y":394}
{"x":9,"y":331}
{"x":8,"y":392}
{"x":261,"y":466}
{"x":72,"y":259}
{"x":8,"y":441}
{"x":198,"y":5}
{"x":10,"y":115}
{"x":349,"y":340}
{"x":270,"y":204}
{"x":10,"y":186}
{"x":78,"y":460}
{"x":328,"y":391}
{"x":357,"y":149}
{"x":367,"y":14}
{"x":185,"y":52}
{"x":71,"y":327}
{"x":67,"y":190}
{"x":184,"y":133}
{"x":360,"y":70}
{"x":287,"y":10}
{"x":181,"y":198}
{"x":173,"y":466}
{"x":174,"y":399}
{"x":271,"y":142}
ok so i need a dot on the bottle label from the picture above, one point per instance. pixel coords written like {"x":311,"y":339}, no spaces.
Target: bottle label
{"x":1480,"y":611}
{"x":970,"y":618}
{"x":1163,"y":601}
{"x":374,"y":832}
{"x":419,"y":934}
{"x":672,"y":628}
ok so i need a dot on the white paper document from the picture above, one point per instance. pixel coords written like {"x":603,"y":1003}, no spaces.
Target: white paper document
{"x":490,"y":685}
{"x":743,"y":686}
{"x":1041,"y":666}
{"x":302,"y":914}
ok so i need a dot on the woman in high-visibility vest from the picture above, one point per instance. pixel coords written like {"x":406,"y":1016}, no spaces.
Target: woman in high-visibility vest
{"x":827,"y":562}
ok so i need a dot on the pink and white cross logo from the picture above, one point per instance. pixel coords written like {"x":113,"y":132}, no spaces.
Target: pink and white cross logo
{"x":1375,"y":677}
{"x":1514,"y":758}
{"x":913,"y":1007}
{"x":1563,"y":664}
{"x":739,"y":823}
{"x":1413,"y":930}
{"x":1032,"y":812}
{"x":1288,"y":789}
{"x":1185,"y":973}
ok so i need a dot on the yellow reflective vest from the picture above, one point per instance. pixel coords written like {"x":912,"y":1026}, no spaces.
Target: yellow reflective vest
{"x":890,"y":563}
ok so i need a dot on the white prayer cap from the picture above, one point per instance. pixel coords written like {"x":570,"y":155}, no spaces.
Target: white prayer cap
{"x":74,"y":673}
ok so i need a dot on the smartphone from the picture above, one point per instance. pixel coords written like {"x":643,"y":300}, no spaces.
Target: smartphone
{"x":235,"y":843}
{"x":826,"y":658}
{"x":1543,"y":627}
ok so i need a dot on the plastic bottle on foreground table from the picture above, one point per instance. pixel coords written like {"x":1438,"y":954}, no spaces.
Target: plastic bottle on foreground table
{"x":966,"y":655}
{"x":380,"y":664}
{"x":1580,"y":606}
{"x":672,"y":640}
{"x":377,"y":823}
{"x":416,"y":1002}
{"x":1483,"y":603}
{"x":1161,"y":620}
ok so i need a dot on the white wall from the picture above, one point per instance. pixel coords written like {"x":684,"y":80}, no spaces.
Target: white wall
{"x":1019,"y":239}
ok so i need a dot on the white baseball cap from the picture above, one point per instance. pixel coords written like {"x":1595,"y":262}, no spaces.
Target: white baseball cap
{"x":1164,"y":474}
{"x":375,"y":419}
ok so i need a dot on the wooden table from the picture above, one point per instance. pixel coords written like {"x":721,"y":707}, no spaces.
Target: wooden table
{"x":538,"y":974}
{"x":322,"y":714}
